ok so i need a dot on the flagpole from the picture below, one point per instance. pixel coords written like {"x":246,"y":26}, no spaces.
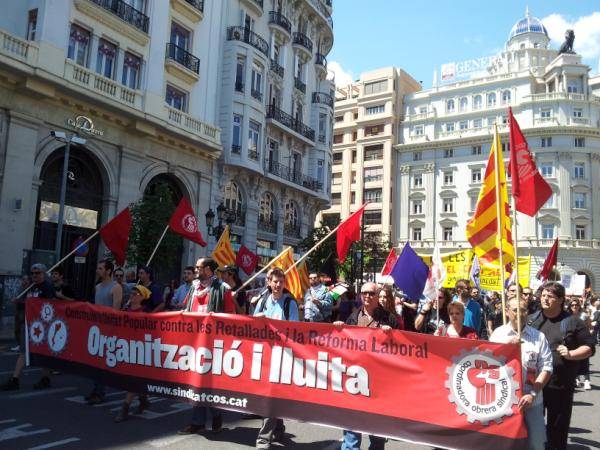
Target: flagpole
{"x":49,"y":271}
{"x":313,"y":248}
{"x":249,"y":280}
{"x":157,"y":245}
{"x":498,"y":219}
{"x":516,"y":267}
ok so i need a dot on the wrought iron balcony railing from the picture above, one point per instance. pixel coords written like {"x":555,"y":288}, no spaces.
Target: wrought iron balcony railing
{"x":268,"y":225}
{"x":198,"y":4}
{"x":303,"y":40}
{"x":321,"y":97}
{"x":279,"y":19}
{"x":249,"y":37}
{"x":253,"y":154}
{"x":300,"y":85}
{"x":275,"y":67}
{"x":296,"y":177}
{"x":183,"y":57}
{"x":256,"y":94}
{"x":273,"y":112}
{"x":126,"y":12}
{"x":237,"y":149}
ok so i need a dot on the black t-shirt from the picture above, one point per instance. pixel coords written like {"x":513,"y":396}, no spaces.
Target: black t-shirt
{"x":66,"y":290}
{"x":572,"y":334}
{"x":42,"y":290}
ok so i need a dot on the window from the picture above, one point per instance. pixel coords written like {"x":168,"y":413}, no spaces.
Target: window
{"x":546,"y":113}
{"x":336,"y":178}
{"x":546,"y":142}
{"x":418,"y":130}
{"x":505,"y":147}
{"x":355,"y":116}
{"x":463,"y":124}
{"x":32,"y":24}
{"x":418,"y":180}
{"x":504,"y":120}
{"x":547,"y":170}
{"x":240,"y":70}
{"x":79,"y":40}
{"x":448,"y":178}
{"x":578,"y":112}
{"x":256,"y":86}
{"x":473,"y":203}
{"x":131,"y":71}
{"x":373,"y":195}
{"x":105,"y":59}
{"x":475,"y":175}
{"x":373,"y":174}
{"x":491,"y":99}
{"x":353,"y":156}
{"x":579,"y":200}
{"x":253,"y":139}
{"x":372,"y":217}
{"x":338,"y":119}
{"x":477,"y":102}
{"x":322,"y":127}
{"x":180,"y":36}
{"x":374,"y":152}
{"x":375,"y":109}
{"x":477,"y":123}
{"x":266,"y":212}
{"x":476,"y":150}
{"x":337,"y":157}
{"x":505,"y":97}
{"x":338,"y":138}
{"x":416,"y":234}
{"x":352,"y":198}
{"x":547,"y":231}
{"x":447,"y":233}
{"x":550,"y":202}
{"x":579,"y":231}
{"x":450,"y":106}
{"x":417,"y":207}
{"x":448,"y":205}
{"x":464,"y":102}
{"x":336,"y":198}
{"x":579,"y":142}
{"x":579,"y":170}
{"x":176,"y":98}
{"x":233,"y":197}
{"x":449,"y":153}
{"x":291,"y":215}
{"x":354,"y":136}
{"x":417,"y":156}
{"x":422,"y":109}
{"x":373,"y":130}
{"x":236,"y":138}
{"x":449,"y":127}
{"x":376,"y":87}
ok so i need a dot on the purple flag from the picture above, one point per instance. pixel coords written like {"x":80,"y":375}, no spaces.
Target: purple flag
{"x":410,"y":273}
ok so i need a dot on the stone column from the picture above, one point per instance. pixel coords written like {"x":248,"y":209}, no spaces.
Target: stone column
{"x":565,"y":163}
{"x":429,"y":185}
{"x":402,"y":203}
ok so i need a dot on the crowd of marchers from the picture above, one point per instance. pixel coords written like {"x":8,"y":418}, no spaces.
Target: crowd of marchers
{"x":558,"y":333}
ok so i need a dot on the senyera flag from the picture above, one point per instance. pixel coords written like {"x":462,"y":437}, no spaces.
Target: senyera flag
{"x":529,"y":188}
{"x":409,"y":386}
{"x":115,"y":235}
{"x":348,"y":232}
{"x":184,"y":222}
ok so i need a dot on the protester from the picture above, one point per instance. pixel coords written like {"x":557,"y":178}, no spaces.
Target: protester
{"x":207,"y":295}
{"x":278,"y":304}
{"x":387,"y":302}
{"x":427,"y":317}
{"x":346,"y":305}
{"x":495,"y":317}
{"x":230,"y":276}
{"x":457,"y":329}
{"x":130,"y":277}
{"x":119,"y":276}
{"x":20,"y":312}
{"x":138,"y":295}
{"x":533,"y":303}
{"x":176,"y":302}
{"x":42,"y":288}
{"x":570,"y":342}
{"x":157,"y":301}
{"x":536,"y":360}
{"x":318,"y":302}
{"x":583,"y":373}
{"x":108,"y":293}
{"x":472,"y":310}
{"x":370,"y":315}
{"x":62,"y":290}
{"x":511,"y":290}
{"x":596,"y":320}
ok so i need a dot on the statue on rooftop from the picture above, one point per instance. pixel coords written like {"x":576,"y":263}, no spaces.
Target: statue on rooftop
{"x":567,"y":46}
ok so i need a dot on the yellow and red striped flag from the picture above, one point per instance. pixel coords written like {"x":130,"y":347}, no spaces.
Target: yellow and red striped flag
{"x":292,"y":278}
{"x":303,"y":273}
{"x":482,"y":229}
{"x":223,"y":253}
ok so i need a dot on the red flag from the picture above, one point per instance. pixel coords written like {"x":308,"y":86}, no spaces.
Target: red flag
{"x":529,"y":189}
{"x":349,"y":232}
{"x":389,"y":262}
{"x":184,"y":222}
{"x":550,"y":262}
{"x":115,"y":235}
{"x":246,"y":260}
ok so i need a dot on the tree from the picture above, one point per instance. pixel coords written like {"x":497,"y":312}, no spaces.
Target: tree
{"x":150,"y":217}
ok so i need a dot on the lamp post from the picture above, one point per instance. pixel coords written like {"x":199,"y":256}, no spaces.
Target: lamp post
{"x":223,"y":215}
{"x":62,"y":137}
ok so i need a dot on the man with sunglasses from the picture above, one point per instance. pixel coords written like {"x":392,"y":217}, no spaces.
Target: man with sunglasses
{"x":42,"y":288}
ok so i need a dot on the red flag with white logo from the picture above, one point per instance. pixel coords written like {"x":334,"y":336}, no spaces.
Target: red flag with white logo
{"x":246,"y":260}
{"x":389,"y":262}
{"x":184,"y":222}
{"x":529,"y":188}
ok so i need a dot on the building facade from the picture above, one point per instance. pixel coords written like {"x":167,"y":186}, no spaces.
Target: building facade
{"x":276,"y":113}
{"x":445,"y":141}
{"x":367,"y":115}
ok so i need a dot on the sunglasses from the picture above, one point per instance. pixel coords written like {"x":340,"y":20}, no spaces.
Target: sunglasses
{"x":368,"y":293}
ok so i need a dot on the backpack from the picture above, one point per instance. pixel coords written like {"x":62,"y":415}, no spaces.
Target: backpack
{"x":286,"y":304}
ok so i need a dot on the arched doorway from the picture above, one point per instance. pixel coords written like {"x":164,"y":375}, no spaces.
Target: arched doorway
{"x":83,"y":214}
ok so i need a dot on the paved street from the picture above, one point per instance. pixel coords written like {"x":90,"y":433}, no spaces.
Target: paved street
{"x":59,"y":418}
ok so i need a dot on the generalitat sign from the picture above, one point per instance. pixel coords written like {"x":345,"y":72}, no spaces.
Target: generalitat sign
{"x":466,"y":70}
{"x":85,"y":124}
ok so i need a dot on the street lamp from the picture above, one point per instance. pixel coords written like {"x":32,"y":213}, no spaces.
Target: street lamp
{"x":61,"y":136}
{"x":223,"y":215}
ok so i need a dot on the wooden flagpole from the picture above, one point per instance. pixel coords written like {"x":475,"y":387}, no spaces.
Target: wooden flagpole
{"x":157,"y":245}
{"x":497,"y":163}
{"x":313,"y":248}
{"x":516,"y":267}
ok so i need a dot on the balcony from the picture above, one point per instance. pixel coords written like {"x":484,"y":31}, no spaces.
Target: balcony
{"x":126,"y":13}
{"x":303,"y":41}
{"x":553,"y":96}
{"x":192,"y":125}
{"x":249,"y":37}
{"x":324,"y":99}
{"x":318,"y":5}
{"x":300,"y":85}
{"x":239,"y":87}
{"x":273,"y":112}
{"x":256,"y":5}
{"x":268,"y":225}
{"x":276,"y":68}
{"x":253,"y":154}
{"x":192,"y":9}
{"x":291,"y":230}
{"x":17,"y":48}
{"x":187,"y":67}
{"x":236,"y":149}
{"x":295,"y":177}
{"x":279,"y":20}
{"x":257,"y":95}
{"x":579,"y":121}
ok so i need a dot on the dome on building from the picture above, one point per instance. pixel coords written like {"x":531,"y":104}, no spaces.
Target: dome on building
{"x":528,"y":24}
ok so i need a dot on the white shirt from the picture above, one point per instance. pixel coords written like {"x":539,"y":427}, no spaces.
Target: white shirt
{"x":535,"y":353}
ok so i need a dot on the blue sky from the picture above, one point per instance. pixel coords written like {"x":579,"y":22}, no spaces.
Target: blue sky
{"x":419,"y":37}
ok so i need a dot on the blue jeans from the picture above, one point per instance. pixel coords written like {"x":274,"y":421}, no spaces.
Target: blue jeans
{"x":199,"y":414}
{"x":536,"y":428}
{"x":352,"y":441}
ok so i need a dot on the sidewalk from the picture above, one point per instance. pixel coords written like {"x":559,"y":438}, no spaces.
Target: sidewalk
{"x":7,"y":333}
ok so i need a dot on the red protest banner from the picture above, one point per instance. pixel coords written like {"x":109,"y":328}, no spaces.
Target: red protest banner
{"x":409,"y":386}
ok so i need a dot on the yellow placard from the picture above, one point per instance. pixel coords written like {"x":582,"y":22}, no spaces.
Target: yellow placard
{"x":457,"y":265}
{"x":490,"y":279}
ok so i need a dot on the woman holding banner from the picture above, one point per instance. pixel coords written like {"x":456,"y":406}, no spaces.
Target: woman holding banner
{"x":456,"y":329}
{"x":433,"y":314}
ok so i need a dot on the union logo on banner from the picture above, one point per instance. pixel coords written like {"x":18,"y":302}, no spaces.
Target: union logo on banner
{"x":56,"y":335}
{"x":189,"y":223}
{"x":482,"y":386}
